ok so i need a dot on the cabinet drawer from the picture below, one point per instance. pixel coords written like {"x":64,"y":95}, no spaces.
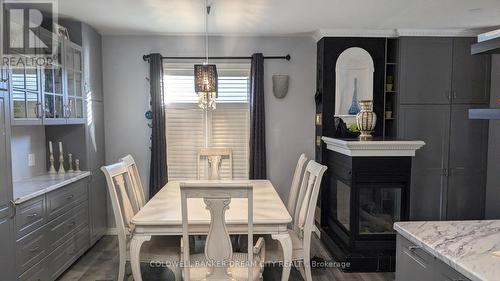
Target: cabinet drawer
{"x":30,"y":215}
{"x":64,"y":255}
{"x":36,"y":273}
{"x":445,"y":273}
{"x":63,"y":199}
{"x":30,"y":250}
{"x":63,"y":226}
{"x":412,"y":263}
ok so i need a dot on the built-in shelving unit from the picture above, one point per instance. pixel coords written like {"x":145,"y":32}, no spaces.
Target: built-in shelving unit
{"x":390,"y":87}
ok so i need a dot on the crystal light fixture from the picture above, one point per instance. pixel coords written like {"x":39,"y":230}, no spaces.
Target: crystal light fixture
{"x":205,"y":76}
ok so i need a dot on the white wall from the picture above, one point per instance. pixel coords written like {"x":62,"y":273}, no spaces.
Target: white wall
{"x":289,"y":121}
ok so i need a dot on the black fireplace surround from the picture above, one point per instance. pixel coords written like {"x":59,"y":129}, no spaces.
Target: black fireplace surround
{"x":361,"y":199}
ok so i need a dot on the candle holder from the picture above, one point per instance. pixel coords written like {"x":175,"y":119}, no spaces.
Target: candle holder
{"x":77,"y":165}
{"x":70,"y":163}
{"x":52,"y":169}
{"x":61,"y":164}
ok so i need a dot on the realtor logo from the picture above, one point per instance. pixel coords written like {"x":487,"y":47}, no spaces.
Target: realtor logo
{"x":28,"y":27}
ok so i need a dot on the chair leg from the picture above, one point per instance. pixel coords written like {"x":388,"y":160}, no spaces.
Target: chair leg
{"x":177,"y":272}
{"x":307,"y":266}
{"x":121,"y":270}
{"x":123,"y":261}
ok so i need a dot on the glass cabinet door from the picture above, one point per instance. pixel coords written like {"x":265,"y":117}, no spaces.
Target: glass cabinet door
{"x":53,"y":95}
{"x":74,"y":87}
{"x":26,"y":101}
{"x":4,"y":78}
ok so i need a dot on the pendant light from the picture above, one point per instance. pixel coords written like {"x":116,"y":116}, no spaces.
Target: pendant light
{"x":205,"y":75}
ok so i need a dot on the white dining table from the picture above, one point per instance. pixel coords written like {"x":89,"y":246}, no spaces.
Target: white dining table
{"x":162,"y":216}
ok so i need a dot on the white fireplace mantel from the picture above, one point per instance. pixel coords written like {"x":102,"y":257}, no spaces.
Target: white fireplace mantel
{"x":373,"y":147}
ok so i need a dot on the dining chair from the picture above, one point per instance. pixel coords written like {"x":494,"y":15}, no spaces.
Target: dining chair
{"x":136,"y":189}
{"x":303,"y":225}
{"x":214,"y":155}
{"x":219,"y":262}
{"x":157,"y":249}
{"x":294,"y":188}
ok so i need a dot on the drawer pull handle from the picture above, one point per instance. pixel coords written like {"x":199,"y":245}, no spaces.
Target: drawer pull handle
{"x":413,"y":248}
{"x":69,"y":196}
{"x":34,"y":215}
{"x":34,"y":249}
{"x":71,"y":224}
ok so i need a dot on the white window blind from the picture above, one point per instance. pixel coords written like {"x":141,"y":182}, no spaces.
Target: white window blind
{"x":190,"y":128}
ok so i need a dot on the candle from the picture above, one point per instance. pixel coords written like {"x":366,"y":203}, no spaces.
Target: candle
{"x":50,"y":147}
{"x":60,"y":148}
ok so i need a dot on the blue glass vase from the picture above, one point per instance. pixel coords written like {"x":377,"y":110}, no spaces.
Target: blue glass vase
{"x":354,"y":109}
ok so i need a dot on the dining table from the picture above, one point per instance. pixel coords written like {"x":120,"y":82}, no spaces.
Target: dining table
{"x":162,"y":216}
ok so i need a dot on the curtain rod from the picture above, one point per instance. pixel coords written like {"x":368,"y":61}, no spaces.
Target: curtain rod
{"x":287,"y":57}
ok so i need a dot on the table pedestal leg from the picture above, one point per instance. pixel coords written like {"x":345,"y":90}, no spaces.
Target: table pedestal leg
{"x":135,"y":255}
{"x":286,"y":245}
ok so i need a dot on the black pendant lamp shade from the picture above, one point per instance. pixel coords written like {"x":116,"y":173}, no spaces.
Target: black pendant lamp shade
{"x":205,"y":78}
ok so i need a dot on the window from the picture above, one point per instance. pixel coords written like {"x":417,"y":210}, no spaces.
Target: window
{"x":190,"y":128}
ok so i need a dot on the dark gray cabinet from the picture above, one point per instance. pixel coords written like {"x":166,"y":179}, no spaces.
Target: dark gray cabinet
{"x":429,"y":123}
{"x":449,"y":172}
{"x":440,"y":81}
{"x":425,"y":70}
{"x":467,"y":163}
{"x":471,"y":83}
{"x":98,"y":209}
{"x":436,"y":70}
{"x":415,"y":264}
{"x":7,"y":263}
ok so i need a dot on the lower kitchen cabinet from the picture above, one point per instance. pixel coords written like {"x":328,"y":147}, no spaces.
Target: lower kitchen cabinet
{"x":53,"y":231}
{"x":414,"y":264}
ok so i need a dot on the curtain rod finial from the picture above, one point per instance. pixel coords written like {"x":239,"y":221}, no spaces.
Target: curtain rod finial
{"x":145,"y":57}
{"x":287,"y":57}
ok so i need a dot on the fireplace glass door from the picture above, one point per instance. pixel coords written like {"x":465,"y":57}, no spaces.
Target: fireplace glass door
{"x":379,"y":208}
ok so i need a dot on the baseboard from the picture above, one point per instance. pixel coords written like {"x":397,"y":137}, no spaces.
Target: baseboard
{"x":111,"y":231}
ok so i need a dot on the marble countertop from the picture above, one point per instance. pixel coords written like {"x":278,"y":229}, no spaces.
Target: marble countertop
{"x":466,"y":246}
{"x":373,"y":146}
{"x":27,"y":189}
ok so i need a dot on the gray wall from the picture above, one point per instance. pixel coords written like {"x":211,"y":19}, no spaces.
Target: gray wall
{"x":25,"y":140}
{"x":290,"y":121}
{"x":492,"y":209}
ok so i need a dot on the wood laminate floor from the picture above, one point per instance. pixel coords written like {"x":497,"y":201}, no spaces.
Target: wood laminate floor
{"x":100,"y":263}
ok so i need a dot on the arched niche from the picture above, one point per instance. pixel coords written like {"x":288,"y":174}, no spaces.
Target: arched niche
{"x":353,"y":73}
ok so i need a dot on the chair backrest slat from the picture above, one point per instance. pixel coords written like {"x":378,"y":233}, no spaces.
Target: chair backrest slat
{"x":214,"y":155}
{"x":218,"y":248}
{"x":294,"y":188}
{"x":308,"y":196}
{"x":136,"y":190}
{"x":118,"y":178}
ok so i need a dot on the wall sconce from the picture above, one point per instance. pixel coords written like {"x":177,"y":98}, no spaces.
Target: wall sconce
{"x":280,"y":85}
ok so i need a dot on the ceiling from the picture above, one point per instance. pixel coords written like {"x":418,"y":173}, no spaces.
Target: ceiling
{"x":280,"y":17}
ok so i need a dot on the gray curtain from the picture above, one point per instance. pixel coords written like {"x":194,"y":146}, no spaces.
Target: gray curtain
{"x":257,"y":151}
{"x":158,"y":176}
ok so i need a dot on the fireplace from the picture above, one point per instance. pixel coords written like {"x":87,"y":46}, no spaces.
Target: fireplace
{"x":362,"y":197}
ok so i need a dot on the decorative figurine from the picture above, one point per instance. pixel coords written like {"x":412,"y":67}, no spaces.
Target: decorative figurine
{"x":77,"y":165}
{"x":70,"y":163}
{"x":61,"y":160}
{"x":52,"y":169}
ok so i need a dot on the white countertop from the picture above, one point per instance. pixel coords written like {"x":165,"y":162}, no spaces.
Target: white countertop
{"x":27,"y":189}
{"x":373,"y":147}
{"x":466,"y":246}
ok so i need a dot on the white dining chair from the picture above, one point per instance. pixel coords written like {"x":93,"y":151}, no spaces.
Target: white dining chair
{"x":303,"y":226}
{"x":157,"y":249}
{"x":136,"y":189}
{"x":219,"y":262}
{"x":214,"y":156}
{"x":294,"y":188}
